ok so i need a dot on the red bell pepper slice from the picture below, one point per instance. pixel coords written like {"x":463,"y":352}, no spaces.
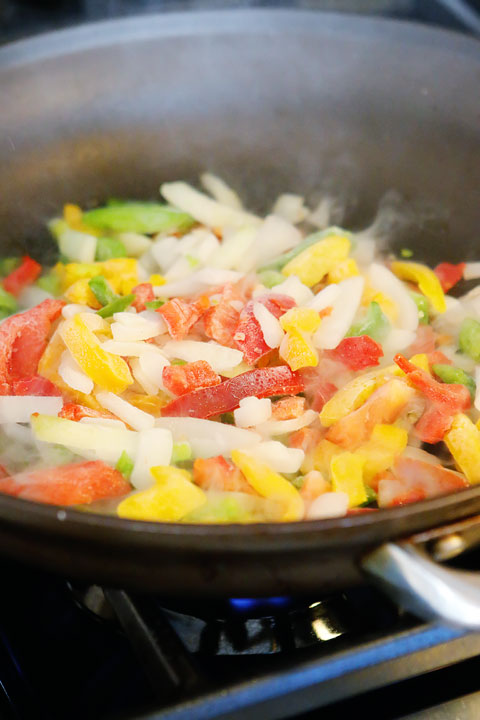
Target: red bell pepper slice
{"x":74,"y":484}
{"x":75,"y":412}
{"x":262,"y":382}
{"x":181,"y":379}
{"x":248,"y":334}
{"x":221,"y":320}
{"x":358,"y":352}
{"x":446,"y":400}
{"x":218,"y":474}
{"x":180,"y":316}
{"x":413,"y":480}
{"x":23,"y":276}
{"x":449,"y":274}
{"x":23,"y":338}
{"x":34,"y":385}
{"x":143,"y":294}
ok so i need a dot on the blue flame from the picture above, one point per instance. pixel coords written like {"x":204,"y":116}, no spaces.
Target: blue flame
{"x":246,"y":604}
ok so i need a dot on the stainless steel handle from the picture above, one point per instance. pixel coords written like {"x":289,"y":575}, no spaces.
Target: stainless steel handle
{"x":406,"y":572}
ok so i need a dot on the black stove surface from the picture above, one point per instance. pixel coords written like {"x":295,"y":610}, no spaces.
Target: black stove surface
{"x":76,"y":652}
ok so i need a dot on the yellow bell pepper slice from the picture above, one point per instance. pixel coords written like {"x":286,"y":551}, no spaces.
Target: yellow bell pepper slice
{"x":387,"y":305}
{"x":156,"y":279}
{"x":108,"y":371}
{"x":428,"y":283}
{"x":297,"y":351}
{"x":352,"y":395}
{"x":271,"y":485}
{"x":323,"y":454}
{"x":463,"y":441}
{"x":305,"y":319}
{"x":173,"y":496}
{"x":342,"y":271}
{"x":346,"y":470}
{"x":385,"y":444}
{"x":316,"y":261}
{"x":48,"y":368}
{"x":73,"y":216}
{"x":421,"y":361}
{"x":81,"y":293}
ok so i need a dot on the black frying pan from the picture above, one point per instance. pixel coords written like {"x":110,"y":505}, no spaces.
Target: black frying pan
{"x":273,"y":101}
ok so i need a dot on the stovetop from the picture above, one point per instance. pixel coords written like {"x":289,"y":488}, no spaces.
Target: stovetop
{"x":84,"y":652}
{"x":76,"y":652}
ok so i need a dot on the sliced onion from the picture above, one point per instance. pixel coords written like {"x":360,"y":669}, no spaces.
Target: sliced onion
{"x":290,"y":207}
{"x":334,"y":327}
{"x":135,"y":243}
{"x":137,"y":372}
{"x":269,"y":325}
{"x":328,"y":505}
{"x":325,"y":298}
{"x":197,"y":281}
{"x":73,"y":375}
{"x":397,"y":340}
{"x":220,"y":191}
{"x":130,"y":327}
{"x":72,"y":309}
{"x":219,"y":357}
{"x":277,"y":456}
{"x":252,"y":411}
{"x":294,"y":288}
{"x":103,"y":422}
{"x":321,"y":216}
{"x":136,"y":418}
{"x":282,"y":427}
{"x":151,"y":365}
{"x":126,"y":349}
{"x":155,"y":447}
{"x":386,"y":282}
{"x":19,"y":408}
{"x":419,"y":454}
{"x":207,"y":211}
{"x":208,"y":438}
{"x":364,"y":250}
{"x":77,"y":246}
{"x":235,"y":251}
{"x":274,"y":237}
{"x":471,"y":271}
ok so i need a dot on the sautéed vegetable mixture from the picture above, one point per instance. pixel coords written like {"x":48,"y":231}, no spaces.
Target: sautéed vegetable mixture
{"x":194,"y":362}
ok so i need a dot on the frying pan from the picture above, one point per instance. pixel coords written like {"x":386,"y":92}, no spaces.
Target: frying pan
{"x":273,"y":101}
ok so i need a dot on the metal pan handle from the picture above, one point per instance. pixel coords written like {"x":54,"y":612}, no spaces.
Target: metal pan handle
{"x":409,"y":573}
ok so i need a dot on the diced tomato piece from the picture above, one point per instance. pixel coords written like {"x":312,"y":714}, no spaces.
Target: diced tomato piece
{"x":75,"y":412}
{"x":383,"y":406}
{"x":357,"y":353}
{"x":262,"y":382}
{"x":181,"y":379}
{"x":23,"y":276}
{"x":424,"y":341}
{"x":446,"y":400}
{"x":288,"y":408}
{"x":413,"y":480}
{"x":449,"y":274}
{"x":23,"y":339}
{"x":75,"y":484}
{"x":143,"y":294}
{"x":35,"y":385}
{"x":221,"y":320}
{"x":216,"y":473}
{"x":248,"y":335}
{"x":180,"y":316}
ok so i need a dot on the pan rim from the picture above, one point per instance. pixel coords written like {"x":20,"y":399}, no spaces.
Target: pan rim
{"x":147,"y":27}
